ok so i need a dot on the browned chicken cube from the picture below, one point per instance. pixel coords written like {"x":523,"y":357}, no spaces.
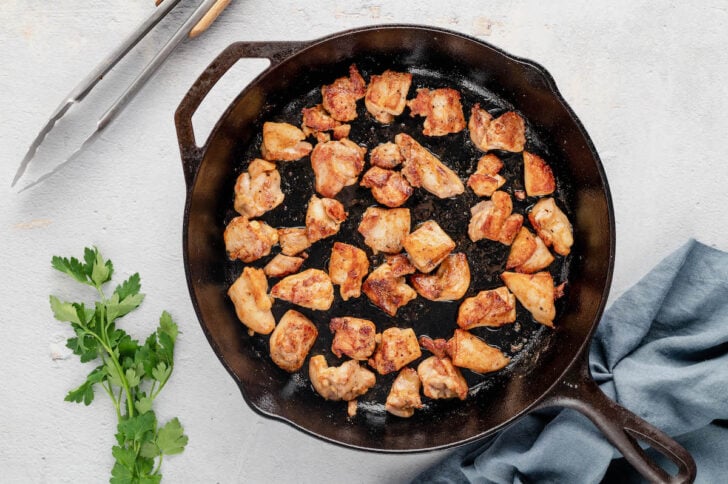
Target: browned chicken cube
{"x":311,"y":289}
{"x":468,"y":351}
{"x":348,"y":266}
{"x":507,"y":132}
{"x":428,"y":246}
{"x":537,"y":175}
{"x":282,"y":265}
{"x":249,"y":240}
{"x":340,"y":97}
{"x":449,"y":283}
{"x":323,"y":218}
{"x":283,"y":142}
{"x":336,"y":164}
{"x":385,"y":229}
{"x":291,"y":341}
{"x":404,"y":396}
{"x":386,"y":286}
{"x":258,"y":190}
{"x":486,"y":179}
{"x":528,"y":253}
{"x":493,"y":308}
{"x":442,"y":110}
{"x":353,"y":337}
{"x":389,"y":187}
{"x":293,"y":240}
{"x":317,"y":121}
{"x":386,"y":155}
{"x":552,"y":225}
{"x":249,"y":294}
{"x":492,"y":219}
{"x":345,"y":382}
{"x":423,"y":169}
{"x":387,"y":95}
{"x":441,"y":380}
{"x":535,"y":292}
{"x":395,"y":348}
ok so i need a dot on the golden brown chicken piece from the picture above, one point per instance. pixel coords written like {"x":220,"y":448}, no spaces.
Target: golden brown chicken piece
{"x":317,"y":122}
{"x":249,"y":240}
{"x":311,"y":289}
{"x":282,"y":265}
{"x":404,"y":396}
{"x":428,"y":246}
{"x":283,"y":142}
{"x":486,"y":179}
{"x":353,"y":337}
{"x":345,"y":382}
{"x":395,"y":348}
{"x":292,"y":340}
{"x":323,"y":218}
{"x":386,"y":286}
{"x":537,"y":175}
{"x":442,"y":110}
{"x":493,"y":308}
{"x":336,"y":164}
{"x":423,"y":169}
{"x":249,"y":294}
{"x":552,"y":225}
{"x":449,"y":283}
{"x":440,"y":379}
{"x":468,"y":351}
{"x":389,"y":187}
{"x":258,"y":190}
{"x":535,"y":292}
{"x":348,"y":266}
{"x":384,"y":229}
{"x":492,"y":219}
{"x":340,"y":97}
{"x":528,"y":253}
{"x":386,"y":155}
{"x":293,"y":240}
{"x":507,"y":132}
{"x":387,"y":95}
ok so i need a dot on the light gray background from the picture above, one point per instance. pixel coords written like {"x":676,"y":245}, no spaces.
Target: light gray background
{"x":649,"y":81}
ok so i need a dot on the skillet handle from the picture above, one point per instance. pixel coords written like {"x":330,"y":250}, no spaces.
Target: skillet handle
{"x":189,"y":150}
{"x":622,"y":428}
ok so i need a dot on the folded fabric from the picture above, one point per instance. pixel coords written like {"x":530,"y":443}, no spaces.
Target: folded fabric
{"x":661,"y":350}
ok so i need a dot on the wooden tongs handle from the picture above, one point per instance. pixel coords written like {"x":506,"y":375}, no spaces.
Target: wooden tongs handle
{"x":209,"y":17}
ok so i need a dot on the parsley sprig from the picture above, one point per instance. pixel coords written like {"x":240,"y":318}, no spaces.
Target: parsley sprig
{"x":131,"y":374}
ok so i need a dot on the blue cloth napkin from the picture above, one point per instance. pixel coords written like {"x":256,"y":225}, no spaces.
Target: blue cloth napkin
{"x":661,"y":350}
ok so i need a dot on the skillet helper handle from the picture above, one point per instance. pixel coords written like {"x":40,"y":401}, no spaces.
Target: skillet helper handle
{"x":623,"y":428}
{"x":189,"y":150}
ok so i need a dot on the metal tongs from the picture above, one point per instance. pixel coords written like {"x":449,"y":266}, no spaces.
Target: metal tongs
{"x":198,"y":22}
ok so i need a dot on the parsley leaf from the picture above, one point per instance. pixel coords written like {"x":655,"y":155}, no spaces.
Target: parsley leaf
{"x":171,"y":438}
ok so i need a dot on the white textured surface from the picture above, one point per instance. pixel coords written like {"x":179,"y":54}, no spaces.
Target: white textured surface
{"x":649,"y":81}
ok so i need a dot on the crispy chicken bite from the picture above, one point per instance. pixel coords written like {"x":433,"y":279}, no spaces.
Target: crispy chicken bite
{"x":292,"y":340}
{"x":507,"y":132}
{"x":387,"y":95}
{"x":528,"y":253}
{"x":282,"y":265}
{"x":440,"y":379}
{"x":316,"y":121}
{"x":404,"y":396}
{"x":385,"y":229}
{"x":323,"y":218}
{"x":347,"y":268}
{"x":535,"y":292}
{"x":353,"y":337}
{"x":423,"y":169}
{"x":336,"y":164}
{"x":249,"y":240}
{"x":345,"y":382}
{"x":386,"y":286}
{"x":492,"y":219}
{"x":552,"y":225}
{"x":249,"y":294}
{"x":537,"y":175}
{"x":486,"y":179}
{"x":449,"y":283}
{"x":311,"y":289}
{"x":293,"y":240}
{"x":442,"y":110}
{"x":340,"y":97}
{"x":428,"y":246}
{"x":395,"y":348}
{"x":389,"y":187}
{"x":386,"y":155}
{"x":258,"y":190}
{"x":283,"y":142}
{"x":493,"y":308}
{"x":467,"y":351}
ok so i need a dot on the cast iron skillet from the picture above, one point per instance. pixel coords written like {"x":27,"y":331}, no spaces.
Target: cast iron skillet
{"x":550,"y":367}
